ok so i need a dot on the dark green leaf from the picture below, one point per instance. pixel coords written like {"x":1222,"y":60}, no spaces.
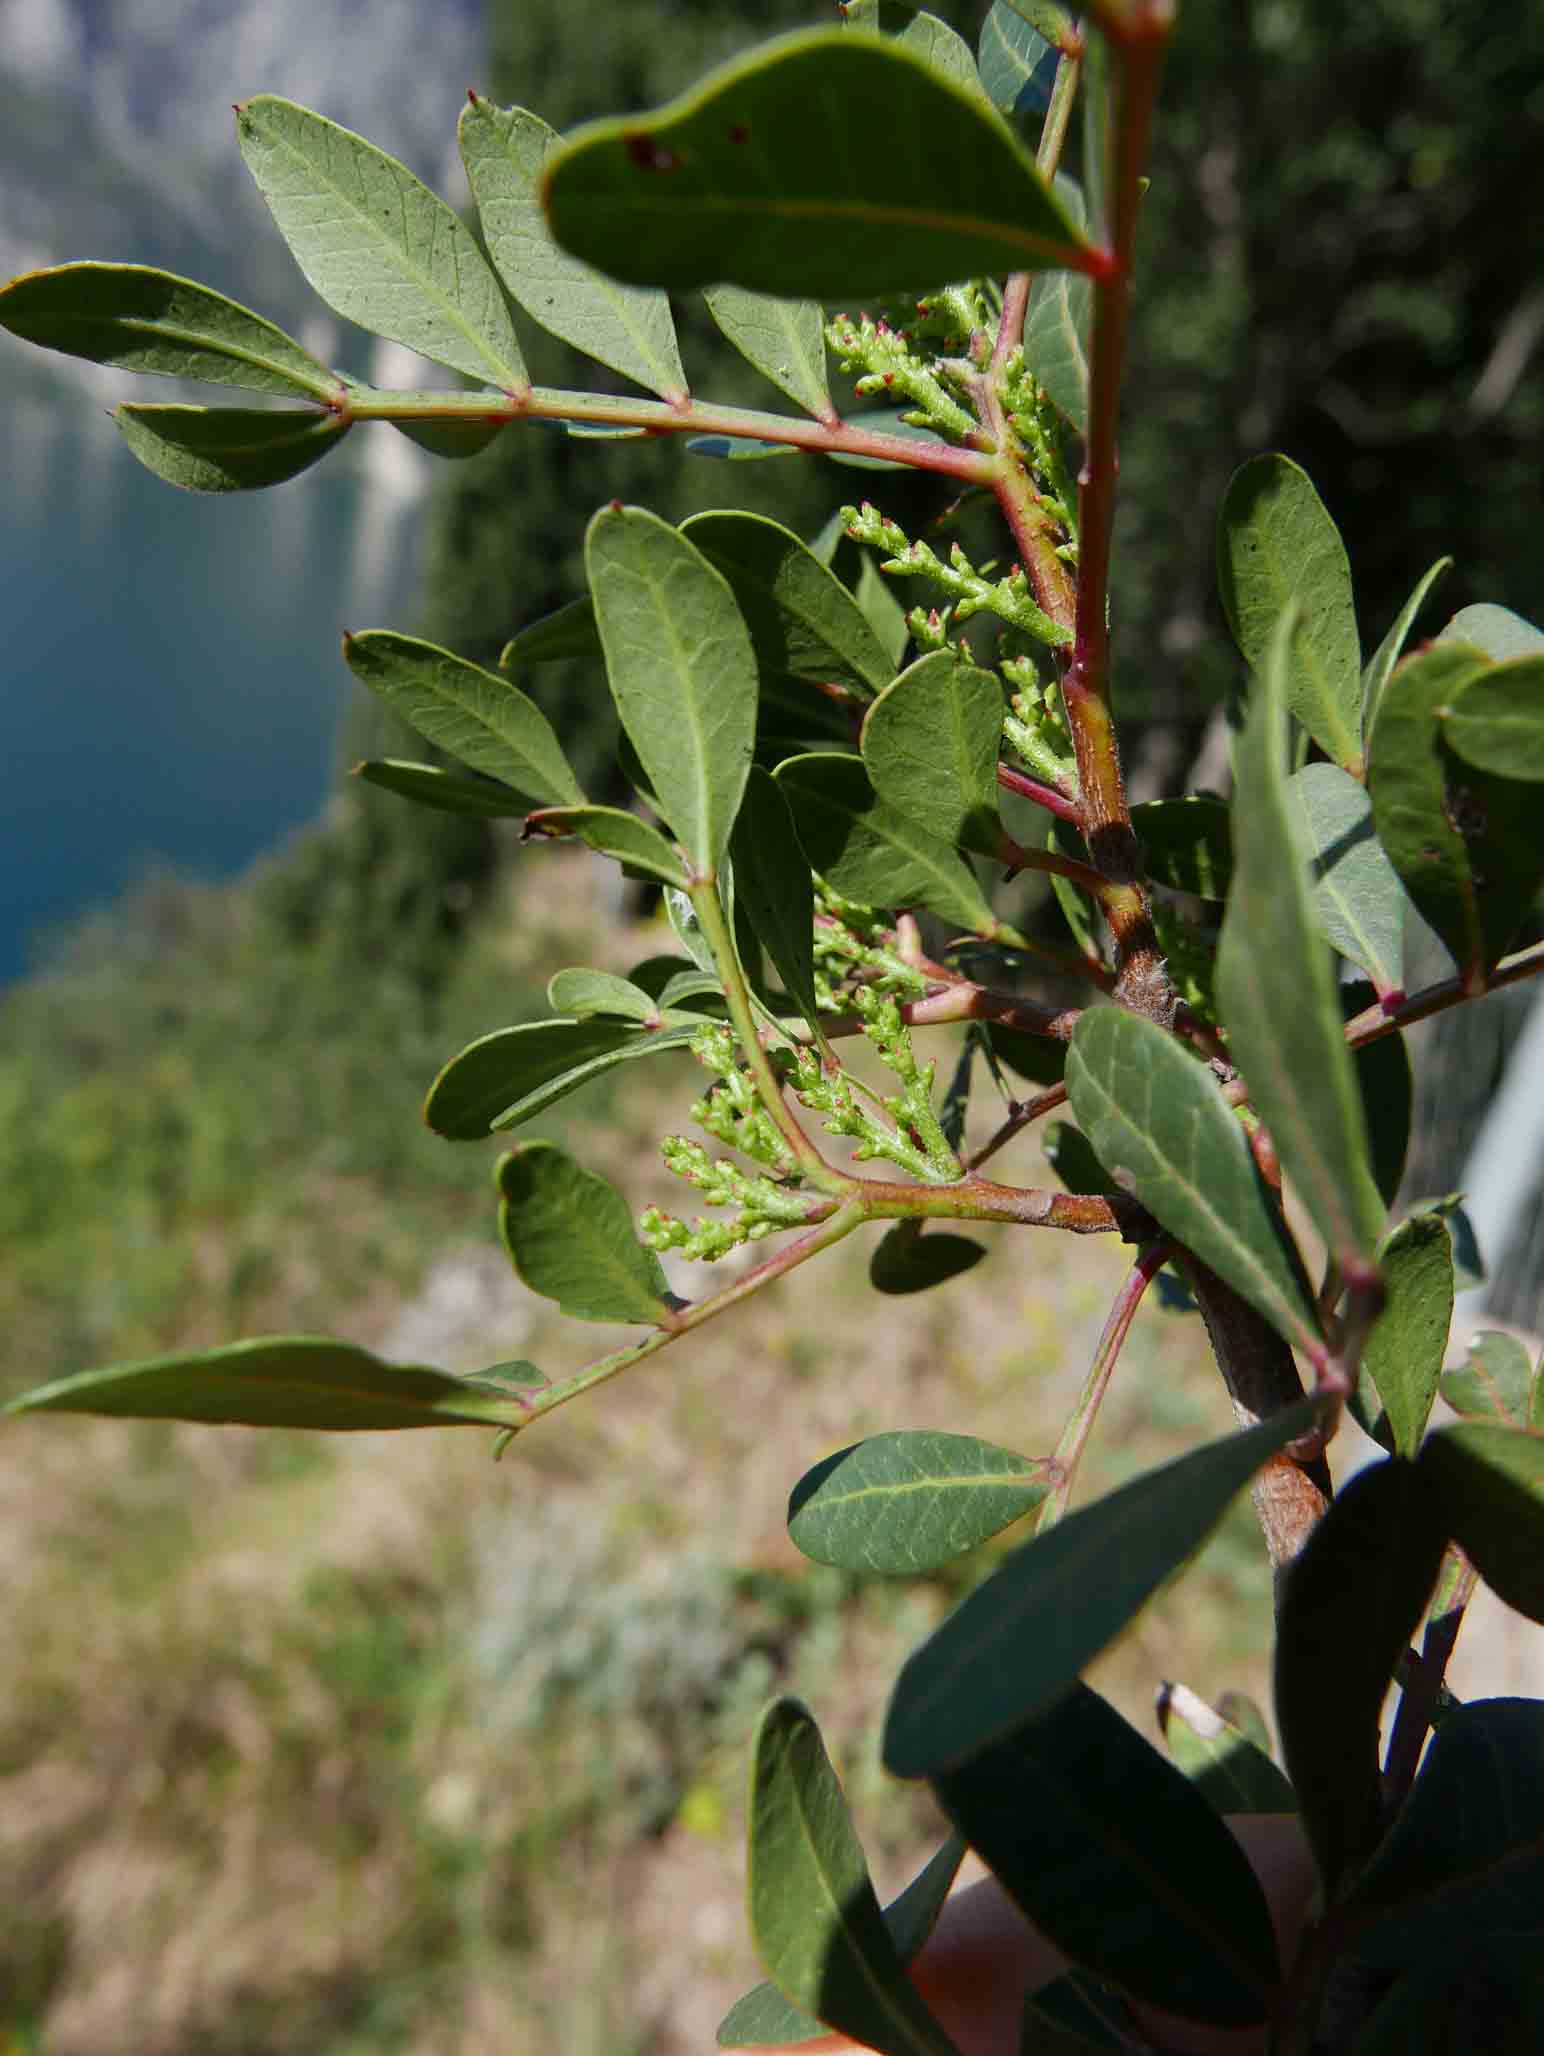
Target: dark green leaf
{"x":1358,"y":896}
{"x":1496,"y":631}
{"x":802,"y":619}
{"x":1056,"y":323}
{"x":882,"y":610}
{"x":568,"y":632}
{"x":1276,"y":989}
{"x":784,"y":339}
{"x":1016,"y":63}
{"x":1187,"y":844}
{"x":582,"y":993}
{"x":723,"y":186}
{"x":1375,"y":673}
{"x":1021,"y":1639}
{"x":1079,"y":910}
{"x":147,"y":320}
{"x":507,"y":1077}
{"x":922,"y":33}
{"x":277,"y":1381}
{"x":1276,"y":543}
{"x":872,"y":853}
{"x":1496,"y":1383}
{"x":443,"y":790}
{"x":1465,"y":845}
{"x":376,"y":244}
{"x":1041,"y":1059}
{"x":1468,"y":1264}
{"x":1403,"y":1356}
{"x":1383,"y":1078}
{"x":453,"y":439}
{"x":765,"y":2019}
{"x":737,"y":449}
{"x":1492,"y":1484}
{"x":1077,"y":2015}
{"x":1496,"y":720}
{"x":505,"y":150}
{"x":1229,"y":1768}
{"x":475,"y":715}
{"x":228,"y":449}
{"x":930,"y":743}
{"x":570,"y":1237}
{"x":1116,"y":1856}
{"x":1071,"y":1156}
{"x":772,"y":883}
{"x":814,"y":1918}
{"x":1351,"y":1602}
{"x":907,"y":1260}
{"x":615,"y":833}
{"x":1157,"y":1119}
{"x":1465,"y":1991}
{"x":905,"y":1503}
{"x":682,"y":671}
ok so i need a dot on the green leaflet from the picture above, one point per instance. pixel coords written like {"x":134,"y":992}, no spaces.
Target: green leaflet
{"x":227,"y":449}
{"x":1227,"y":1766}
{"x":1056,"y":324}
{"x":682,"y":671}
{"x":921,"y":33}
{"x":376,"y":244}
{"x":1497,"y":1383}
{"x":907,"y":1260}
{"x":1404,"y":1352}
{"x":722,"y":186}
{"x":902,"y":1504}
{"x":1187,"y":844}
{"x":1019,"y":1642}
{"x":581,"y":992}
{"x":802,"y":619}
{"x":505,"y":150}
{"x":1466,"y":845}
{"x":930,"y":744}
{"x":873,"y":854}
{"x":570,"y":1237}
{"x":148,"y":320}
{"x":1496,"y":721}
{"x":882,"y":610}
{"x":1276,"y":543}
{"x":765,"y":2019}
{"x":1357,"y":893}
{"x":1154,"y":1114}
{"x":452,"y":439}
{"x":1349,"y":1605}
{"x":475,"y":715}
{"x":1115,"y":1855}
{"x":1071,"y":1157}
{"x":1491,"y":1480}
{"x":443,"y":790}
{"x":614,"y":833}
{"x":784,"y":339}
{"x":773,"y":887}
{"x":1379,"y":666}
{"x":1276,"y":989}
{"x":566,"y":632}
{"x":1496,"y":631}
{"x":1383,"y":1078}
{"x":1016,"y":63}
{"x":814,"y":1917}
{"x":279,"y":1381}
{"x":513,"y":1074}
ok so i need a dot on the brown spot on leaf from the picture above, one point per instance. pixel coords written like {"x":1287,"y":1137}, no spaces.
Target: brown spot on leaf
{"x":738,"y":132}
{"x":649,"y":155}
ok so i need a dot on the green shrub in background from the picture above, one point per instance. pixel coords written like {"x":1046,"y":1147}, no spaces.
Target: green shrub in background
{"x":821,"y":778}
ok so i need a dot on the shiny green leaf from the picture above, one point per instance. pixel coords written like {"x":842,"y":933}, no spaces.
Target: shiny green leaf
{"x":1119,"y":1860}
{"x":505,"y":150}
{"x":773,"y":886}
{"x":906,"y":1259}
{"x":1495,"y":631}
{"x":784,"y":339}
{"x":570,"y":1237}
{"x":814,"y":1917}
{"x":682,"y":671}
{"x":276,"y":1381}
{"x":583,"y":993}
{"x":475,"y":715}
{"x":722,"y":186}
{"x":432,"y":787}
{"x":1228,"y":1767}
{"x":1496,"y":721}
{"x":1404,"y":1352}
{"x":802,"y":619}
{"x":1021,"y":1639}
{"x":1276,"y":543}
{"x":147,"y":320}
{"x":1360,"y":901}
{"x":1495,"y":1384}
{"x":872,"y":853}
{"x":227,"y":449}
{"x":513,"y":1074}
{"x":904,"y":1503}
{"x":376,"y":244}
{"x":1276,"y":989}
{"x":1157,"y":1118}
{"x":1492,"y":1484}
{"x":930,"y":744}
{"x":567,"y":632}
{"x":1379,"y":666}
{"x":614,"y":833}
{"x":1350,"y":1603}
{"x":1187,"y":844}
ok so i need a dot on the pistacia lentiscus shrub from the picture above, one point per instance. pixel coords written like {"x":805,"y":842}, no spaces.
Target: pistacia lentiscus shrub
{"x":826,"y":788}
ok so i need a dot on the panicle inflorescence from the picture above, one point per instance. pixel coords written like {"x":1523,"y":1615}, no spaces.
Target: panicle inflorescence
{"x":972,"y":593}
